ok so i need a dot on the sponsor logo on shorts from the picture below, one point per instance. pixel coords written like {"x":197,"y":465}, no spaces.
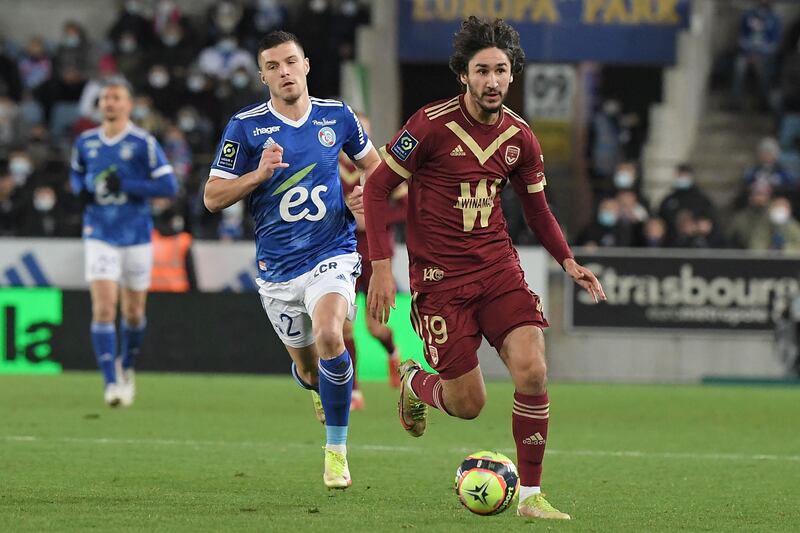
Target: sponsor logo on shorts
{"x":433,"y":274}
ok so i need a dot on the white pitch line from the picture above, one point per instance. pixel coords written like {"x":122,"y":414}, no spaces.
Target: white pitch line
{"x":399,"y":449}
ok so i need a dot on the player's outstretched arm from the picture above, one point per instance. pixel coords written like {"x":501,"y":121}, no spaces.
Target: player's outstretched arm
{"x":382,"y":291}
{"x":221,"y":193}
{"x":585,"y":278}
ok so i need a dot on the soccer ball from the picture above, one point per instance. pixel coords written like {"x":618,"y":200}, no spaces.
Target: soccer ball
{"x":486,"y":482}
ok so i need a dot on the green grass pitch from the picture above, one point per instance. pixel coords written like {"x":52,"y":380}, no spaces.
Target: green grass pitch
{"x":243,"y":453}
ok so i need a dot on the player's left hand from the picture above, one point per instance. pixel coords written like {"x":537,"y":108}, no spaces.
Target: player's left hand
{"x":585,"y":278}
{"x":113,"y":183}
{"x":355,"y":200}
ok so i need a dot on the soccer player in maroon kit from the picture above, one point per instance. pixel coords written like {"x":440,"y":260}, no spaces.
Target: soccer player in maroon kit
{"x":456,"y":156}
{"x":350,"y":175}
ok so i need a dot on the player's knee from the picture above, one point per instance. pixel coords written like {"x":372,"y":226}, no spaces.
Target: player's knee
{"x":329,"y":341}
{"x":103,"y":312}
{"x":470,"y":408}
{"x":534,"y":375}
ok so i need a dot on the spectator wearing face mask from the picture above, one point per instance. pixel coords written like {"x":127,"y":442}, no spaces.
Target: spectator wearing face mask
{"x":654,"y":233}
{"x":74,"y":49}
{"x":259,"y":18}
{"x":43,"y":216}
{"x":175,"y":50}
{"x":780,"y":231}
{"x":131,"y":19}
{"x":605,"y":148}
{"x":198,"y":129}
{"x":240,"y":90}
{"x":132,"y":63}
{"x":222,"y":19}
{"x":20,"y":166}
{"x":222,"y":59}
{"x":606,"y":230}
{"x":165,"y":94}
{"x":685,"y":195}
{"x":35,"y":66}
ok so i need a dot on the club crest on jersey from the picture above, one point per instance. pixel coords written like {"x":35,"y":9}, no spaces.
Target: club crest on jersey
{"x":404,"y":145}
{"x":126,"y":151}
{"x":228,"y":153}
{"x":512,"y":154}
{"x":327,"y":137}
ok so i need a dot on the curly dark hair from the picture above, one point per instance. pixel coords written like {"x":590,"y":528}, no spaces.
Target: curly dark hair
{"x":476,"y":34}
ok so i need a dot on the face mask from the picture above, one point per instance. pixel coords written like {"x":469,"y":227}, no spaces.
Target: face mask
{"x":187,"y":123}
{"x":158,"y":79}
{"x":227,"y":45}
{"x":140,"y":111}
{"x":611,"y":107}
{"x":240,"y":81}
{"x":20,"y":167}
{"x":607,"y":218}
{"x":127,"y":45}
{"x":71,"y":40}
{"x":779,"y":216}
{"x":683,"y":182}
{"x":133,"y":6}
{"x":196,"y":83}
{"x":623,"y":180}
{"x":44,"y":202}
{"x":171,"y":39}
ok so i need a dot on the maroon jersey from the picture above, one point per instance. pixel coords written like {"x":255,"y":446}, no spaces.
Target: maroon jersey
{"x":456,"y":169}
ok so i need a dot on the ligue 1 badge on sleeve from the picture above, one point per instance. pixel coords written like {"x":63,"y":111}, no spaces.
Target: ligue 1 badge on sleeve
{"x":404,"y":145}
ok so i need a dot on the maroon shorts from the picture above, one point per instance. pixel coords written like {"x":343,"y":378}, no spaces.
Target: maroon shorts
{"x":451,"y":323}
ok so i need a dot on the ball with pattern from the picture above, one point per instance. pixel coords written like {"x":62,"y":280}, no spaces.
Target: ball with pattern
{"x":486,"y":482}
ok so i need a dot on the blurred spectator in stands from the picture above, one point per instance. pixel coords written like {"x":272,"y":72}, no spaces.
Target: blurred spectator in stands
{"x":9,"y":123}
{"x":21,"y":165}
{"x":606,"y":230}
{"x":759,"y":37}
{"x":685,"y":231}
{"x":175,"y":50}
{"x":707,"y":234}
{"x":241,"y":90}
{"x":74,"y":50}
{"x":87,"y":105}
{"x":222,"y":20}
{"x":10,"y":82}
{"x":230,"y":225}
{"x":224,"y":57}
{"x":166,"y":12}
{"x":313,"y":26}
{"x":685,"y":195}
{"x":38,"y":144}
{"x":35,"y":65}
{"x":770,"y":170}
{"x":132,"y":20}
{"x":605,"y":149}
{"x":789,"y":135}
{"x":753,"y":214}
{"x":631,"y":135}
{"x":9,"y":205}
{"x":179,"y":153}
{"x":62,"y":103}
{"x":260,"y":17}
{"x":131,"y":60}
{"x":654,"y":233}
{"x":632,"y":216}
{"x":165,"y":94}
{"x":200,"y":132}
{"x":780,"y":231}
{"x":201,"y":95}
{"x":43,"y":217}
{"x":147,"y":117}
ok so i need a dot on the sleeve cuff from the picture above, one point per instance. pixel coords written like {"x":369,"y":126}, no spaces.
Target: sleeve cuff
{"x":222,"y":174}
{"x":363,"y":153}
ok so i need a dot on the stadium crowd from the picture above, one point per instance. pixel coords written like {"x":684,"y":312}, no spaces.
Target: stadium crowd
{"x":191,"y":71}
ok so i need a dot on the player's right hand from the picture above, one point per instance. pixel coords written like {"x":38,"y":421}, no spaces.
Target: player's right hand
{"x":271,"y":160}
{"x":382,"y":290}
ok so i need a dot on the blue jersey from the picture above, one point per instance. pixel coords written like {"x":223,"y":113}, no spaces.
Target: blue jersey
{"x":300,"y":214}
{"x":123,"y":218}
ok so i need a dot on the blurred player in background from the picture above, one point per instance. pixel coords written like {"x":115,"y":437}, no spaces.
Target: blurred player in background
{"x":351,"y":178}
{"x":116,"y":169}
{"x":283,"y":156}
{"x":456,"y":156}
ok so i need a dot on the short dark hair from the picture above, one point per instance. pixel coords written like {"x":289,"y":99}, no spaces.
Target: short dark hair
{"x":476,"y":34}
{"x":276,"y":38}
{"x":684,"y":168}
{"x":118,"y":81}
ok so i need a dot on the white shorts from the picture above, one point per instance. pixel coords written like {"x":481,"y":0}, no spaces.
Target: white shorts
{"x":290,"y":304}
{"x":130,"y":266}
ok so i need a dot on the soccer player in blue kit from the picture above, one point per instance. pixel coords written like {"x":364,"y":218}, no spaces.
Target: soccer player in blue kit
{"x":283,"y":156}
{"x":116,"y":168}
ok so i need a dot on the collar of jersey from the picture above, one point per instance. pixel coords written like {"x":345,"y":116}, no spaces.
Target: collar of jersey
{"x":287,"y":120}
{"x":117,"y":138}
